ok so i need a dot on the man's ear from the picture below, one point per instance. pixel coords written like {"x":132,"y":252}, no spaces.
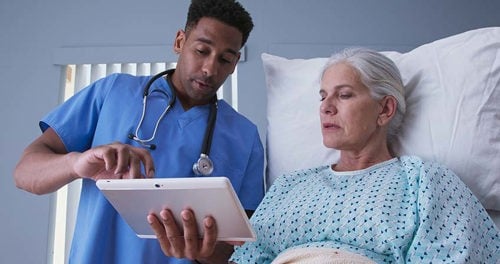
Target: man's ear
{"x":179,"y":41}
{"x":388,"y":109}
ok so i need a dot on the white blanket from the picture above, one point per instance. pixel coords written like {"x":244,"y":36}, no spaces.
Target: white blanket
{"x":320,"y":255}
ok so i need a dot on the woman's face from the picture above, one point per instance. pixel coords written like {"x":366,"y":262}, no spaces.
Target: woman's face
{"x":348,"y":112}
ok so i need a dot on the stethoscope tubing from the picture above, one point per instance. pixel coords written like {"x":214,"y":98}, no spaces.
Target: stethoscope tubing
{"x":200,"y":167}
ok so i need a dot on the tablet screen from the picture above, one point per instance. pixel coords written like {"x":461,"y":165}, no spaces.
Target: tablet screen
{"x":134,"y":199}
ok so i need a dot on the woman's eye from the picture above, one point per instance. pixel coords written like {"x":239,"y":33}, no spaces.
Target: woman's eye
{"x":345,"y":96}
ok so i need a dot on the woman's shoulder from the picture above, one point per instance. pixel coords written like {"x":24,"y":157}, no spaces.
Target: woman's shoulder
{"x":427,"y":170}
{"x":421,"y":163}
{"x":415,"y":161}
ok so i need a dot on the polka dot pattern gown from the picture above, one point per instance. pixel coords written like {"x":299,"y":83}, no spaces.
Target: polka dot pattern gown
{"x":403,"y":210}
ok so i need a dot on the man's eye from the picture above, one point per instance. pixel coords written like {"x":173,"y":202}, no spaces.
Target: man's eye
{"x":200,"y":51}
{"x":227,"y":59}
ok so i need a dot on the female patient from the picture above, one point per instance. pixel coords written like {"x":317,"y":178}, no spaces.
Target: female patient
{"x":370,"y":206}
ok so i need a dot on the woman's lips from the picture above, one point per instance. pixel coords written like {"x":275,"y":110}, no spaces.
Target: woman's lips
{"x":330,"y":126}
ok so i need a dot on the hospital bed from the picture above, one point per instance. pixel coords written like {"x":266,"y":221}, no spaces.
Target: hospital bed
{"x":453,"y":111}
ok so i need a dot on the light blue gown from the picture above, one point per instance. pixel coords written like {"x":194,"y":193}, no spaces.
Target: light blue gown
{"x":403,"y":210}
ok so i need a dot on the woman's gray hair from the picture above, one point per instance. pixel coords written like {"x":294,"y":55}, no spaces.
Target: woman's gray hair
{"x":379,"y":74}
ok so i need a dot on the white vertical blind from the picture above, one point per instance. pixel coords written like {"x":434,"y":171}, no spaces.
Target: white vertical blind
{"x":130,"y":68}
{"x":159,"y":67}
{"x":143,"y":68}
{"x":234,"y":89}
{"x":97,"y":71}
{"x":82,"y":76}
{"x":113,"y":68}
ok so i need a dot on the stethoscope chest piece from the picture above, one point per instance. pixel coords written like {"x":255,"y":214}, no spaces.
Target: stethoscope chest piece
{"x":203,"y":166}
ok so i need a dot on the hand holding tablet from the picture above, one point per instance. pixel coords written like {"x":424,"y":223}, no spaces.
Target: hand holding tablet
{"x":135,"y":199}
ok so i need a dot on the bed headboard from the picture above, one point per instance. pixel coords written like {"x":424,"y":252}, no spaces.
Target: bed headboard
{"x":453,"y":114}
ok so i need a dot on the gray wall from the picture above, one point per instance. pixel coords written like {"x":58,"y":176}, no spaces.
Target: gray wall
{"x":33,"y":33}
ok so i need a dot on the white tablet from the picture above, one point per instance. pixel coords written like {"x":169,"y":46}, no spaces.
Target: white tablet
{"x":134,"y":199}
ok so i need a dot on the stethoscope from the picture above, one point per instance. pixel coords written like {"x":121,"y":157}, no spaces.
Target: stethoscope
{"x":204,"y":165}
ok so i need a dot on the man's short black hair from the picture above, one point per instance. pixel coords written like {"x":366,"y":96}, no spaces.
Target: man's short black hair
{"x":229,"y":12}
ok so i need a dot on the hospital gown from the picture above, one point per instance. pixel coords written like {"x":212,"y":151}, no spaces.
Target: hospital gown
{"x":403,"y":210}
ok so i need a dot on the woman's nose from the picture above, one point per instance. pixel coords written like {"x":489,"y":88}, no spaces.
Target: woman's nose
{"x":327,"y":107}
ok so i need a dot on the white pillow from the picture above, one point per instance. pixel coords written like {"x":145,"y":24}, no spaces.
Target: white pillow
{"x":453,"y":110}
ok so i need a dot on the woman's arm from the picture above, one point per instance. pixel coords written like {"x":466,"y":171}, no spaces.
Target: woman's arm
{"x":453,"y":225}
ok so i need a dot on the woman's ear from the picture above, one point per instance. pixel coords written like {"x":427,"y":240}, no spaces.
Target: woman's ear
{"x":179,"y":41}
{"x":388,"y":110}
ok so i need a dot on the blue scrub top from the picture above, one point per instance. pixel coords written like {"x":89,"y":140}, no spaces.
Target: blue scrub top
{"x":108,"y":111}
